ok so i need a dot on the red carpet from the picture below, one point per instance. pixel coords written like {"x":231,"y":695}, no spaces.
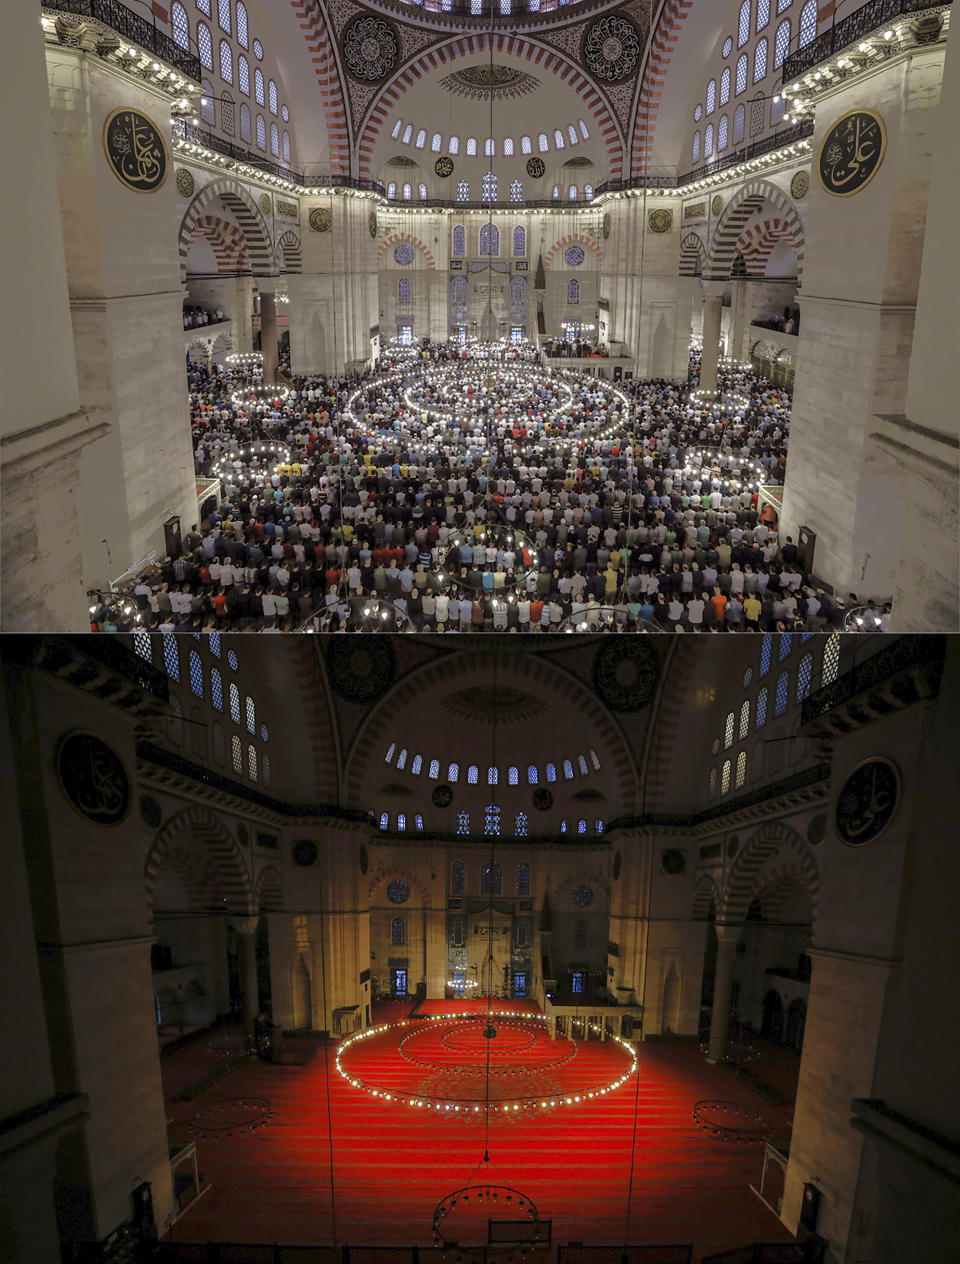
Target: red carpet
{"x":392,"y":1164}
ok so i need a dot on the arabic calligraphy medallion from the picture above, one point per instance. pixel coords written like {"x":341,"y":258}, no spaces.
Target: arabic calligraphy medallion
{"x":851,"y":153}
{"x":93,"y":778}
{"x":135,"y":150}
{"x":867,"y":802}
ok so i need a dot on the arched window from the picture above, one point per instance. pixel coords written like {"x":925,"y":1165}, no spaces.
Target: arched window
{"x":196,"y":674}
{"x":783,"y":5}
{"x":572,"y":134}
{"x":251,"y":714}
{"x":491,"y":878}
{"x":488,"y":189}
{"x":434,"y":771}
{"x":808,"y":23}
{"x":216,"y":688}
{"x":598,"y":826}
{"x":243,"y":37}
{"x":261,"y":132}
{"x":223,"y":15}
{"x":784,"y":646}
{"x":453,"y":145}
{"x":181,"y":25}
{"x":391,"y":751}
{"x":728,"y":731}
{"x":568,"y":770}
{"x":493,"y":776}
{"x":421,"y":140}
{"x":783,"y":693}
{"x":489,"y":240}
{"x":520,"y":825}
{"x":595,"y":760}
{"x":556,"y":193}
{"x":532,"y":775}
{"x":725,"y":86}
{"x":471,"y":147}
{"x":226,"y":62}
{"x":761,"y":716}
{"x":708,"y":141}
{"x":206,"y":104}
{"x":234,"y":704}
{"x":513,"y":775}
{"x":402,"y":759}
{"x":453,"y":772}
{"x":722,"y":132}
{"x":508,"y":147}
{"x":760,"y":60}
{"x":766,"y":648}
{"x":744,"y":727}
{"x":711,"y":96}
{"x":583,"y":129}
{"x":572,"y":193}
{"x":551,"y":772}
{"x":782,"y":43}
{"x":258,"y":86}
{"x":407,"y":133}
{"x":516,"y":195}
{"x":457,"y":877}
{"x":523,"y":879}
{"x":459,"y":240}
{"x":581,"y":827}
{"x":741,"y":85}
{"x":243,"y":75}
{"x":244,"y":122}
{"x":204,"y":7}
{"x":695,"y":155}
{"x":804,"y":677}
{"x":266,"y":770}
{"x":436,"y":140}
{"x":580,"y":936}
{"x":741,"y":770}
{"x":458,"y":290}
{"x":391,"y":190}
{"x":521,"y":932}
{"x":274,"y":140}
{"x":743,"y":25}
{"x":563,"y":827}
{"x":526,"y":146}
{"x":763,"y":14}
{"x":398,"y":932}
{"x":519,"y":234}
{"x":712,"y":788}
{"x":272,"y":96}
{"x":573,"y":291}
{"x":236,"y":754}
{"x":403,"y":290}
{"x":490,"y":147}
{"x":582,"y":764}
{"x":458,"y":932}
{"x":407,"y":192}
{"x":286,"y":146}
{"x":831,"y":660}
{"x":491,"y":819}
{"x":205,"y":45}
{"x":725,"y":777}
{"x":558,"y":138}
{"x":542,"y":143}
{"x":401,"y":821}
{"x":463,"y":191}
{"x":588,"y":192}
{"x":416,"y":766}
{"x":739,"y":119}
{"x":252,"y":762}
{"x":473,"y":774}
{"x":396,"y":128}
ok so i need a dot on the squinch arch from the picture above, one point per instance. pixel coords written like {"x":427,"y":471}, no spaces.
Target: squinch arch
{"x":395,"y":238}
{"x":740,"y":886}
{"x":730,"y":226}
{"x":558,"y":247}
{"x":183,"y":841}
{"x":241,"y":205}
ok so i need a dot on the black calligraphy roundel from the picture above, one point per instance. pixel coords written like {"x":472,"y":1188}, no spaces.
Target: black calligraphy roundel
{"x":867,"y":802}
{"x":444,"y":166}
{"x":93,"y":778}
{"x":535,"y":167}
{"x":852,"y":152}
{"x":135,"y":150}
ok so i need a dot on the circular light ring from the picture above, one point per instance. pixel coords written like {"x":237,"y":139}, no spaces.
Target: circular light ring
{"x":235,"y":1115}
{"x":729,"y":1121}
{"x":517,"y":541}
{"x":246,"y":359}
{"x":513,"y":1201}
{"x":255,"y":396}
{"x":256,"y":456}
{"x":459,"y":1107}
{"x":507,"y":1068}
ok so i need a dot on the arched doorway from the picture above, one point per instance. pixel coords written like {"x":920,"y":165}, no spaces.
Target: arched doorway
{"x":670,"y":1008}
{"x":772,"y":1017}
{"x":302,"y":996}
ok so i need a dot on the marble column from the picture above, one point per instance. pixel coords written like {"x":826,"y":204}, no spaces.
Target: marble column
{"x":712,"y":313}
{"x":727,"y":937}
{"x":268,"y":327}
{"x":246,"y":928}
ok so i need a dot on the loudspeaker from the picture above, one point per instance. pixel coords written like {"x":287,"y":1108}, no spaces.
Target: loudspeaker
{"x":810,"y":1207}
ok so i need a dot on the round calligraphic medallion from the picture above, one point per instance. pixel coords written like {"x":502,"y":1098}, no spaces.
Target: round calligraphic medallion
{"x":851,"y":153}
{"x":93,"y":778}
{"x":867,"y":802}
{"x":442,"y":796}
{"x":443,"y":166}
{"x":184,"y":182}
{"x":606,"y":226}
{"x":660,"y":221}
{"x":135,"y":150}
{"x":535,"y":168}
{"x":372,"y":223}
{"x":716,"y":206}
{"x":265,"y":204}
{"x":321,"y":219}
{"x":800,"y":185}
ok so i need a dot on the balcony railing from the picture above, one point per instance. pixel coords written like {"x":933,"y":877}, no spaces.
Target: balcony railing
{"x":868,"y":18}
{"x":138,"y":30}
{"x":899,"y":659}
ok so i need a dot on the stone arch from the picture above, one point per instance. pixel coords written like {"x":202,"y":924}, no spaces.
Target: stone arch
{"x":737,"y":213}
{"x":239,"y":202}
{"x":582,"y":877}
{"x":756,"y":243}
{"x":660,"y":49}
{"x":226,"y":241}
{"x":774,"y":884}
{"x":768,"y":840}
{"x":705,"y":894}
{"x":693,"y":255}
{"x":382,"y":878}
{"x":269,"y":889}
{"x":478,"y":43}
{"x":312,"y":22}
{"x":396,"y":238}
{"x":288,"y":252}
{"x":182,"y":842}
{"x":559,"y":246}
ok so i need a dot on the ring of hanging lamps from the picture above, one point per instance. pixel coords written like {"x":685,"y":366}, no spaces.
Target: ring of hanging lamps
{"x":449,"y":1106}
{"x":373,"y":616}
{"x":257,"y":455}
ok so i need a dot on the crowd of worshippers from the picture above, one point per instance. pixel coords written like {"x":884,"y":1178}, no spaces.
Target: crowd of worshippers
{"x":196,"y":317}
{"x":647,"y":503}
{"x":573,"y":348}
{"x":788,"y":323}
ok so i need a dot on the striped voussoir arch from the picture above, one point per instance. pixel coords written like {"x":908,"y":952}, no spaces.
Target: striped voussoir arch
{"x":196,"y":832}
{"x":706,"y":895}
{"x":693,"y":255}
{"x":745,"y":878}
{"x":226,"y":241}
{"x":395,"y":238}
{"x":239,"y":202}
{"x":661,"y":48}
{"x":672,"y":712}
{"x":757,"y":242}
{"x":541,"y":677}
{"x":472,"y":45}
{"x":382,"y":879}
{"x":303,"y":651}
{"x":737,"y":214}
{"x":333,"y":97}
{"x":270,"y":889}
{"x":571,"y":238}
{"x":288,"y":252}
{"x":773,"y":886}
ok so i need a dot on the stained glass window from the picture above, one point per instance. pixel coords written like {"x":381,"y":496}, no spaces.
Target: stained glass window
{"x":264,"y":733}
{"x":205,"y":45}
{"x":708,"y":141}
{"x":457,"y":877}
{"x":542,"y":143}
{"x":728,"y":732}
{"x":520,"y":825}
{"x":196,"y":674}
{"x":551,"y":772}
{"x":695,"y":153}
{"x":235,"y":704}
{"x":143,"y":644}
{"x":401,"y":821}
{"x":252,"y":762}
{"x":743,"y":26}
{"x":741,"y":770}
{"x":407,"y":133}
{"x":243,"y":38}
{"x":384,"y":821}
{"x":808,"y":23}
{"x":261,"y":132}
{"x":171,"y":655}
{"x":266,"y":770}
{"x":526,"y":146}
{"x":804,"y":677}
{"x":491,"y":878}
{"x":744,"y":727}
{"x":711,"y":96}
{"x":598,"y":826}
{"x":518,"y":291}
{"x":763,"y":14}
{"x":725,"y":86}
{"x":568,"y":769}
{"x":738,"y":121}
{"x":782,"y":5}
{"x":532,"y":776}
{"x":489,"y":240}
{"x":761,"y":717}
{"x":251,"y":712}
{"x":712,"y":790}
{"x":258,"y":86}
{"x":223,"y":14}
{"x":436,"y":141}
{"x":783,"y":693}
{"x":416,"y":766}
{"x":766,"y":647}
{"x":741,"y":73}
{"x":204,"y":7}
{"x":434,"y":771}
{"x":513,"y":775}
{"x":471,"y":147}
{"x":216,"y":688}
{"x":236,"y":753}
{"x":473,"y":774}
{"x":244,"y":122}
{"x":760,"y":60}
{"x":274,"y":140}
{"x":519,"y":234}
{"x":459,"y":240}
{"x":722,"y":132}
{"x":491,"y":819}
{"x":398,"y":932}
{"x":458,"y":932}
{"x":453,"y":772}
{"x":508,"y":147}
{"x":181,"y":26}
{"x":402,"y":759}
{"x":785,"y":645}
{"x":258,"y":50}
{"x":463,"y":192}
{"x":831,"y":660}
{"x":454,"y":144}
{"x":272,"y":96}
{"x":725,"y":777}
{"x":573,"y":292}
{"x":782,"y":45}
